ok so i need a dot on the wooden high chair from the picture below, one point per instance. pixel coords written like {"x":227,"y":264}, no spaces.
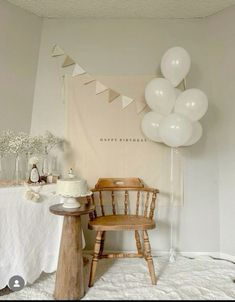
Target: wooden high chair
{"x":122,"y":220}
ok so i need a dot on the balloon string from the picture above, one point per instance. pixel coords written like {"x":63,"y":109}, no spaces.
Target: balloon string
{"x":182,"y":178}
{"x":172,"y":171}
{"x":184,"y":81}
{"x":172,"y":193}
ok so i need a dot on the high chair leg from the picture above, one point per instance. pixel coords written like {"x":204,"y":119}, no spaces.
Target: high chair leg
{"x":102,"y":243}
{"x":138,"y":242}
{"x":149,"y":258}
{"x":95,"y":257}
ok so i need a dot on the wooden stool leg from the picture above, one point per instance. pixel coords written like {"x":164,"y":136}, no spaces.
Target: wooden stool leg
{"x":138,"y":243}
{"x":95,"y":258}
{"x":69,"y":276}
{"x":148,"y":257}
{"x":102,"y":243}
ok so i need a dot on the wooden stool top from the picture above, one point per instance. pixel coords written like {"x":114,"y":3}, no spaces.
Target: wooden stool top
{"x":58,"y":209}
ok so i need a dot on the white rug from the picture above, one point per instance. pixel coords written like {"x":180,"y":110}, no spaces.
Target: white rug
{"x":202,"y":278}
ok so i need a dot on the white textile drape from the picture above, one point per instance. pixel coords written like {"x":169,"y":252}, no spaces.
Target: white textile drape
{"x":29,"y":234}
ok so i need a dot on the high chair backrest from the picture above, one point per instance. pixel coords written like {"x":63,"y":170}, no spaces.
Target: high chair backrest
{"x":116,"y":191}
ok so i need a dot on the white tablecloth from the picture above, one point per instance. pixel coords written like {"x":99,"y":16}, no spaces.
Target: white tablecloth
{"x":29,"y":234}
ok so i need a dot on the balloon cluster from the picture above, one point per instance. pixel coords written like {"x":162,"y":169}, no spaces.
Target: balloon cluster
{"x":175,"y":114}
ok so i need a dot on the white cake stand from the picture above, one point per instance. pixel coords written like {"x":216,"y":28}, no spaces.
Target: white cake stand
{"x":71,"y":202}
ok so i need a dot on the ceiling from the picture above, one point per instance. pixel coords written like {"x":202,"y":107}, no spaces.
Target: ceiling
{"x":123,"y":8}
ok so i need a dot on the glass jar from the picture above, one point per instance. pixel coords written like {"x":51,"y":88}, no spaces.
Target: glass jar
{"x":2,"y":172}
{"x":45,"y":164}
{"x":17,"y":170}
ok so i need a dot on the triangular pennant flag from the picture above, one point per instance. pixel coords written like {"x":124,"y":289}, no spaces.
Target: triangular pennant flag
{"x":78,"y":70}
{"x":126,"y":101}
{"x":57,"y":51}
{"x":140,"y":106}
{"x":99,"y":88}
{"x":68,"y":61}
{"x":112,"y":95}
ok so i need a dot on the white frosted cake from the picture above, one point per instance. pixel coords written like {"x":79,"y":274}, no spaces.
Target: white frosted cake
{"x":72,"y":187}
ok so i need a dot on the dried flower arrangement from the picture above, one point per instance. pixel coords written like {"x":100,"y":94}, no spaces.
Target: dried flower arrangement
{"x":50,"y":141}
{"x":22,"y":143}
{"x":4,"y":142}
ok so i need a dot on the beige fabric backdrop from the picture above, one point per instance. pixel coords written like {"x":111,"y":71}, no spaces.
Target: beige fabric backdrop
{"x":91,"y":119}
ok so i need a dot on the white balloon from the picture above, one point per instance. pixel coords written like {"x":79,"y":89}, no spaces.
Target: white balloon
{"x":160,"y":95}
{"x":192,"y":103}
{"x":175,"y":65}
{"x":150,"y":126}
{"x":177,"y":92}
{"x":175,"y":130}
{"x":196,"y":134}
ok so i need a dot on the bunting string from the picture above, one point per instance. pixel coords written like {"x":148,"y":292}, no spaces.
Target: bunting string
{"x":99,"y":87}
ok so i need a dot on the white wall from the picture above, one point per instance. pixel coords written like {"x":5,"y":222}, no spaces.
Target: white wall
{"x":222,"y":28}
{"x":135,"y":47}
{"x":20,"y":39}
{"x":206,"y":222}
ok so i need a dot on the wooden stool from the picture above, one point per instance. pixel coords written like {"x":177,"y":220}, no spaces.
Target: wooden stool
{"x":69,"y":283}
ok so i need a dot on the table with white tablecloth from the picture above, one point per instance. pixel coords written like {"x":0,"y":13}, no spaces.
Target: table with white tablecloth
{"x":29,"y":234}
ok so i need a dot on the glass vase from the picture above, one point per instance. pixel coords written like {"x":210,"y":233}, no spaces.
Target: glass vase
{"x":45,"y":165}
{"x":2,"y":172}
{"x":27,"y":166}
{"x":17,"y":170}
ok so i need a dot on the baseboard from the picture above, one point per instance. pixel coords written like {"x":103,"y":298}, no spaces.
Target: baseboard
{"x":187,"y":254}
{"x":216,"y":255}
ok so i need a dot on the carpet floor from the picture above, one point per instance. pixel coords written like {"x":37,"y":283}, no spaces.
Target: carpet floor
{"x":202,"y":278}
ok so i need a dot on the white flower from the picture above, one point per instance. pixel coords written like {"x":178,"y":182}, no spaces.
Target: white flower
{"x":5,"y":137}
{"x":19,"y":143}
{"x":36,"y":196}
{"x":35,"y":145}
{"x":33,"y":160}
{"x":50,"y":141}
{"x":32,"y":195}
{"x":28,"y":195}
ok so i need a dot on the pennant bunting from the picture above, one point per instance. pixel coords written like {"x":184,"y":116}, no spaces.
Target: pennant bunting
{"x":78,"y":70}
{"x":68,"y":61}
{"x":57,"y":51}
{"x":87,"y":78}
{"x":99,"y":88}
{"x":126,"y":101}
{"x":112,"y":95}
{"x":91,"y":81}
{"x":140,"y":106}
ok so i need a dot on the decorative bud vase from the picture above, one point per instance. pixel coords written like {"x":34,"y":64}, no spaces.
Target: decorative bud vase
{"x":2,"y":173}
{"x":17,"y":171}
{"x":27,"y":166}
{"x":45,"y":165}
